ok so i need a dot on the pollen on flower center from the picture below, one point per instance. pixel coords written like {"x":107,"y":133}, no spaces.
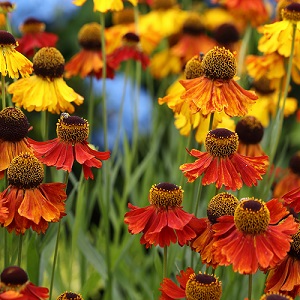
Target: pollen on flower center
{"x":48,"y":62}
{"x":32,"y":25}
{"x":89,"y":36}
{"x":72,"y":129}
{"x":220,"y":205}
{"x":295,"y":246}
{"x":25,"y":171}
{"x":7,"y":39}
{"x":250,"y":130}
{"x":294,"y":163}
{"x":219,"y":63}
{"x":69,"y":296}
{"x":291,"y":12}
{"x":193,"y":68}
{"x":275,"y":296}
{"x":193,"y":25}
{"x":252,"y":216}
{"x":13,"y":276}
{"x":166,"y":195}
{"x":221,"y":142}
{"x":14,"y":124}
{"x":202,"y":286}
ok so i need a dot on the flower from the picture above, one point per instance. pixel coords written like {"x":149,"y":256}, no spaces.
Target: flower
{"x":46,"y":90}
{"x":14,"y":127}
{"x":192,"y":286}
{"x":250,"y":132}
{"x":107,"y":5}
{"x":129,"y":50}
{"x":163,"y":221}
{"x":216,"y":90}
{"x":30,"y":202}
{"x":15,"y":284}
{"x":34,"y":37}
{"x":222,"y":165}
{"x":69,"y":296}
{"x":257,"y":236}
{"x":13,"y":63}
{"x":71,"y":144}
{"x":88,"y":61}
{"x":275,"y":296}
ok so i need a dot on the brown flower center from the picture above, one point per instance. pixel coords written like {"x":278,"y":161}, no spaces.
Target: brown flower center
{"x":32,"y":25}
{"x":222,"y":204}
{"x":219,"y":63}
{"x":294,"y":163}
{"x":14,"y":124}
{"x":48,"y":62}
{"x":163,"y":4}
{"x":166,"y":195}
{"x":72,"y":129}
{"x":250,"y":130}
{"x":275,"y":296}
{"x":252,"y":216}
{"x":89,"y":36}
{"x":295,"y":246}
{"x":226,"y":33}
{"x":193,"y":68}
{"x":125,"y":16}
{"x":130,"y":39}
{"x":202,"y":286}
{"x":221,"y":142}
{"x":291,"y":12}
{"x":263,"y":86}
{"x":193,"y":25}
{"x":6,"y":7}
{"x":7,"y":39}
{"x":69,"y":296}
{"x":13,"y":276}
{"x":25,"y":171}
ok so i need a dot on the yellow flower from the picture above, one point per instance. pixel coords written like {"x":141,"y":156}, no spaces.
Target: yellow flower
{"x":46,"y":90}
{"x":106,"y":5}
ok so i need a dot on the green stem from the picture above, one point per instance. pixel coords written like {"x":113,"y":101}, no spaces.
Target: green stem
{"x":91,"y":106}
{"x":6,"y":258}
{"x":3,"y":91}
{"x":250,"y":287}
{"x":20,"y":249}
{"x":165,"y":262}
{"x":211,"y":121}
{"x":44,"y":129}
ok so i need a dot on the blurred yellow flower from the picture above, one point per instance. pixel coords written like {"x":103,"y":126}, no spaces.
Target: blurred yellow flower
{"x":106,"y":5}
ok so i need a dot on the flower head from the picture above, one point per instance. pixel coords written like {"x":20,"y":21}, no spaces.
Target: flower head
{"x":69,"y":296}
{"x":46,"y":90}
{"x":222,"y":165}
{"x":163,"y":221}
{"x":275,"y":296}
{"x":107,"y":5}
{"x":70,"y":145}
{"x":227,"y":35}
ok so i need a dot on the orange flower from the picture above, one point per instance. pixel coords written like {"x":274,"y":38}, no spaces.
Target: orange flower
{"x":71,"y":144}
{"x":216,"y":90}
{"x":30,"y":202}
{"x":257,"y":236}
{"x":164,"y":221}
{"x":222,"y":165}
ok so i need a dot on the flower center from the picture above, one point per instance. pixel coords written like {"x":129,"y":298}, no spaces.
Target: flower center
{"x":252,"y":216}
{"x":163,"y":4}
{"x":6,"y":7}
{"x":130,"y":39}
{"x":14,"y":124}
{"x":250,"y":130}
{"x":48,"y":62}
{"x":32,"y":25}
{"x":222,"y":204}
{"x":295,"y":246}
{"x":13,"y":276}
{"x":193,"y":25}
{"x":202,"y":286}
{"x":72,"y":129}
{"x":291,"y":12}
{"x":221,"y":142}
{"x":125,"y":16}
{"x":294,"y":163}
{"x":7,"y":39}
{"x":25,"y":171}
{"x":263,"y":86}
{"x":193,"y":68}
{"x":275,"y":296}
{"x":219,"y":63}
{"x":69,"y":296}
{"x":89,"y":36}
{"x":165,"y":195}
{"x":226,"y":34}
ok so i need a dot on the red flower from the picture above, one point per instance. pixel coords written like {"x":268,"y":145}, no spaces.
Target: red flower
{"x":222,"y":165}
{"x":70,"y":145}
{"x":164,"y":221}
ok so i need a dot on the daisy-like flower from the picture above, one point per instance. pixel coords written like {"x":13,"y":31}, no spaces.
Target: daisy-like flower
{"x":163,"y":221}
{"x":70,"y":145}
{"x":69,"y":296}
{"x":34,"y":37}
{"x":106,"y":5}
{"x":250,"y":132}
{"x":46,"y":90}
{"x":129,"y":50}
{"x":222,"y":165}
{"x":257,"y":236}
{"x":275,"y":296}
{"x":13,"y":63}
{"x":30,"y":202}
{"x":15,"y":284}
{"x":222,"y":204}
{"x":216,"y":90}
{"x":191,"y":286}
{"x":14,"y":127}
{"x":88,"y":61}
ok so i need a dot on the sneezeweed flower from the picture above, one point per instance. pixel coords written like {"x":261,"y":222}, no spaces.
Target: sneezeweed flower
{"x":257,"y":236}
{"x":250,"y":132}
{"x":30,"y":202}
{"x":13,"y":63}
{"x":222,"y":204}
{"x":34,"y":37}
{"x":69,"y":296}
{"x":217,"y":90}
{"x":222,"y":165}
{"x":191,"y":286}
{"x":275,"y":296}
{"x":70,"y":145}
{"x":88,"y":61}
{"x":106,"y":5}
{"x":15,"y":284}
{"x":14,"y":127}
{"x":46,"y":90}
{"x":129,"y":50}
{"x":163,"y":221}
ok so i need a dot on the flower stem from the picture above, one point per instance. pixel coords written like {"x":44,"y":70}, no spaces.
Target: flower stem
{"x":3,"y":91}
{"x":250,"y":287}
{"x":165,"y":261}
{"x":91,"y":106}
{"x":20,"y":244}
